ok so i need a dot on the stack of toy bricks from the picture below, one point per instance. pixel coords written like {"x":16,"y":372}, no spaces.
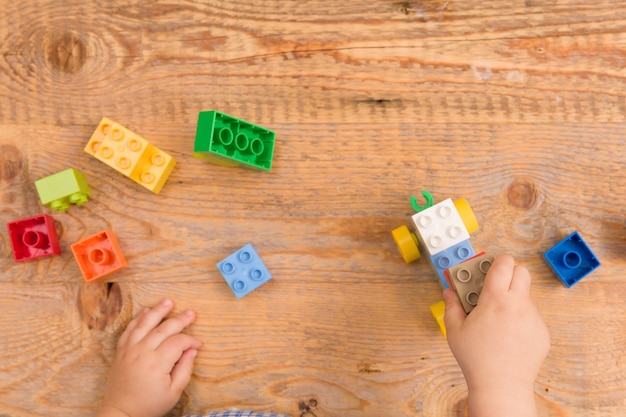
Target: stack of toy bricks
{"x":443,"y":231}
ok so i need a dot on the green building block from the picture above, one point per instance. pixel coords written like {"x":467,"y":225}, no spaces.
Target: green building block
{"x":228,"y":141}
{"x":59,"y":190}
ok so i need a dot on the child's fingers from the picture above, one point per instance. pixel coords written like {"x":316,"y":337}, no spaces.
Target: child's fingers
{"x":171,"y":350}
{"x":169,"y":327}
{"x":521,"y":280}
{"x":181,"y":373}
{"x":454,"y":315}
{"x":129,"y":328}
{"x":147,"y":321}
{"x":499,"y":276}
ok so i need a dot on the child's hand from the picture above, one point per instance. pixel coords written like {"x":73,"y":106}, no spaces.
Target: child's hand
{"x":152,"y":365}
{"x":501,"y":344}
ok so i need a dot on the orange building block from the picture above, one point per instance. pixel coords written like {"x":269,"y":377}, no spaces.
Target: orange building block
{"x":130,"y":154}
{"x":99,"y":255}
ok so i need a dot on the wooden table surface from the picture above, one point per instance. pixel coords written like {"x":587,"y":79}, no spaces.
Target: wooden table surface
{"x":520,"y":107}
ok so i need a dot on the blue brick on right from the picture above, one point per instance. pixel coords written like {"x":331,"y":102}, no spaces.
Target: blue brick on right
{"x":244,"y":271}
{"x":571,"y":259}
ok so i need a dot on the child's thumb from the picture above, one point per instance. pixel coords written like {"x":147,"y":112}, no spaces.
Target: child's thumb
{"x":455,"y":314}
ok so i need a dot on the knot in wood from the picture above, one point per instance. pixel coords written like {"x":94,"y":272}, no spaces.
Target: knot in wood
{"x":100,"y":304}
{"x":522,"y":194}
{"x":11,"y":162}
{"x":66,"y":51}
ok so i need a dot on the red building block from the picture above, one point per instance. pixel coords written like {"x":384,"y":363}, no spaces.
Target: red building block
{"x":99,"y":255}
{"x":34,"y":237}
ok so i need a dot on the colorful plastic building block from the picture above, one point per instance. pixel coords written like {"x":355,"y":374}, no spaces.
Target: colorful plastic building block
{"x":34,"y":237}
{"x":435,"y":231}
{"x":450,"y":257}
{"x":228,"y":141}
{"x":244,"y":271}
{"x":439,"y":227}
{"x":571,"y":259}
{"x":467,"y":279}
{"x":407,"y":243}
{"x":59,"y":190}
{"x":438,"y":310}
{"x":130,"y":154}
{"x":467,"y":215}
{"x":99,"y":255}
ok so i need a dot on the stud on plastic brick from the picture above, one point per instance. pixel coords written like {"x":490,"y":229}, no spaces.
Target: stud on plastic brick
{"x":571,"y":259}
{"x":244,"y":271}
{"x":99,"y":255}
{"x":130,"y":154}
{"x":449,"y":258}
{"x":59,"y":190}
{"x":226,"y":140}
{"x":439,"y":227}
{"x":467,"y":279}
{"x":34,"y":237}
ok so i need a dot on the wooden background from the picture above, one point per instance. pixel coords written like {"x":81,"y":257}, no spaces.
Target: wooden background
{"x":518,"y":106}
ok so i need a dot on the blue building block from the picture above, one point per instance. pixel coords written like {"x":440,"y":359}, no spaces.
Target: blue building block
{"x":244,"y":271}
{"x":571,"y":259}
{"x":449,"y":258}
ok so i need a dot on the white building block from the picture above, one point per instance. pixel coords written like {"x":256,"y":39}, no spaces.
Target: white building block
{"x":439,"y":227}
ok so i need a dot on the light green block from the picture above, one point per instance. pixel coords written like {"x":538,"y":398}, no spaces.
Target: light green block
{"x":60,"y":190}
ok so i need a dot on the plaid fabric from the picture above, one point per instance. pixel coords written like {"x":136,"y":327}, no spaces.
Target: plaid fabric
{"x":239,"y":413}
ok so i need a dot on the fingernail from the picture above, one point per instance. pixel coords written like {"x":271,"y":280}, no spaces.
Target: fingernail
{"x":190,"y":313}
{"x":167,"y":302}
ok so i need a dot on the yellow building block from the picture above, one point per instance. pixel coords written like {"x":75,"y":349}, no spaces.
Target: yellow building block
{"x":153,"y":169}
{"x":406,"y":243}
{"x":467,"y":215}
{"x":130,"y":154}
{"x":119,"y":148}
{"x":438,"y":310}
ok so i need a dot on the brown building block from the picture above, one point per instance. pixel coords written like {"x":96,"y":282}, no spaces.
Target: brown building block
{"x":467,"y":279}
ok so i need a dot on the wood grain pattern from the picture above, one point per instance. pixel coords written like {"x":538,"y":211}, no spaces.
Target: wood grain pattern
{"x":518,"y":106}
